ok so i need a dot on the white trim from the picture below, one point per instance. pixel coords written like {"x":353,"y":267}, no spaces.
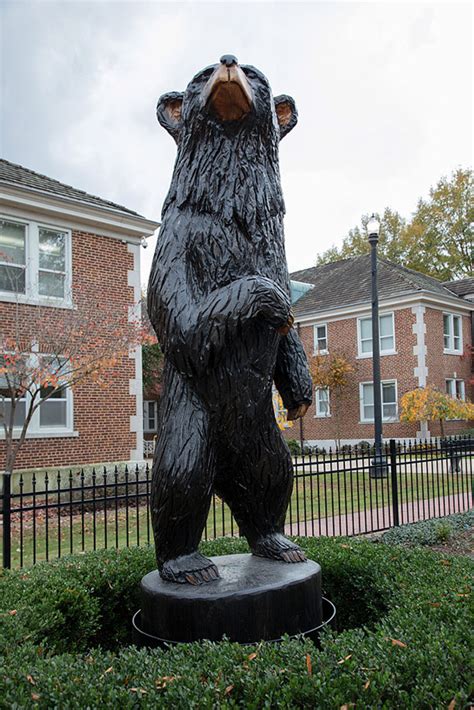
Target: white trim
{"x":394,"y":304}
{"x":453,"y":351}
{"x":146,"y":428}
{"x":329,"y":443}
{"x":317,"y":402}
{"x":316,"y":351}
{"x":135,"y":384}
{"x":43,"y":434}
{"x":31,"y":295}
{"x":363,"y":355}
{"x":56,"y":206}
{"x":386,"y":420}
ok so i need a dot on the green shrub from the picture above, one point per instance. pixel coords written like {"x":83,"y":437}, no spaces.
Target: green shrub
{"x":429,"y":532}
{"x":294,"y":446}
{"x":405,"y":644}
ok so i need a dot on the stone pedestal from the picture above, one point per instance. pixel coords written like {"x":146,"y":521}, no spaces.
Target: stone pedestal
{"x":255,"y":599}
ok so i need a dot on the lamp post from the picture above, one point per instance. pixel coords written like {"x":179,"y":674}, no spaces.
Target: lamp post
{"x":378,"y":467}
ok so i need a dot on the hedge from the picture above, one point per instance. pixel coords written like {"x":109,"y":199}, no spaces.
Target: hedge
{"x":429,"y":532}
{"x":403,"y":641}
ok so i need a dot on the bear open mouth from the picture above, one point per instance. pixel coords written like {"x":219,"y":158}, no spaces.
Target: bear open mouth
{"x":228,"y":93}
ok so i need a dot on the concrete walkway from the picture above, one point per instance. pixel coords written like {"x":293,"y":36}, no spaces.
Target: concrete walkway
{"x":371,"y":520}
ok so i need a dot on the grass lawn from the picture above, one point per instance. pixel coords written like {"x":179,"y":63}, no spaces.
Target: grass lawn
{"x":315,"y":498}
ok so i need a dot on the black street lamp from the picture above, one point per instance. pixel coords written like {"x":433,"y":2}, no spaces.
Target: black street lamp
{"x":378,"y":467}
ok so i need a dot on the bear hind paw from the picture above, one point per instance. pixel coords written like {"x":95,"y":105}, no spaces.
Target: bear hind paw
{"x":189,"y":569}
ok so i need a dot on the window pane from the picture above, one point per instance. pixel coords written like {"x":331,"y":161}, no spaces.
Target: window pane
{"x":368,"y":394}
{"x":12,"y":242}
{"x":52,"y":250}
{"x":368,"y":411}
{"x":53,"y":413}
{"x":386,"y":343}
{"x":51,"y":284}
{"x":447,"y":340}
{"x":56,"y":393}
{"x":386,"y":325}
{"x":447,"y":325}
{"x":20,"y":411}
{"x":12,"y":278}
{"x":367,"y":346}
{"x":456,"y":326}
{"x":389,"y":411}
{"x":450,"y":387}
{"x":366,"y":328}
{"x":388,"y":392}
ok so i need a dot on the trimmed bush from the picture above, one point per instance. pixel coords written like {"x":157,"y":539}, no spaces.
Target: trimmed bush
{"x":429,"y":532}
{"x":403,"y":641}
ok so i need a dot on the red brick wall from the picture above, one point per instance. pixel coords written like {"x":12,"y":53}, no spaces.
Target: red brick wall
{"x":101,"y":417}
{"x":342,"y":336}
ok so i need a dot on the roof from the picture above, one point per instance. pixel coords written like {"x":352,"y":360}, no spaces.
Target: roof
{"x":348,"y":282}
{"x":461,"y":287}
{"x":13,"y":174}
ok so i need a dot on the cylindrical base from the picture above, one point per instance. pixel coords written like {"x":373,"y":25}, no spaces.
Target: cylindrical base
{"x":255,"y":599}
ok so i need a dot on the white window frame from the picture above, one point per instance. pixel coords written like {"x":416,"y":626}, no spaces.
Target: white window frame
{"x":316,"y":349}
{"x":146,"y":428}
{"x":363,"y":419}
{"x":392,"y":351}
{"x":317,"y":403}
{"x":31,"y":295}
{"x":36,"y":431}
{"x":462,"y":389}
{"x":451,"y":349}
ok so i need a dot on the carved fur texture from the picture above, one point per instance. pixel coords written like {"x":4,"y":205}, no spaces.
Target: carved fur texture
{"x":217,"y":295}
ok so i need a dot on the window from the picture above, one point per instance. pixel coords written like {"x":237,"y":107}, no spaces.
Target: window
{"x":12,"y":257}
{"x":322,"y":402}
{"x":389,"y":401}
{"x":53,"y":412}
{"x":35,"y":262}
{"x":452,"y":333}
{"x":150,"y":416}
{"x":53,"y":416}
{"x":386,"y":335}
{"x":52,"y":263}
{"x":320,"y":333}
{"x":456,"y":389}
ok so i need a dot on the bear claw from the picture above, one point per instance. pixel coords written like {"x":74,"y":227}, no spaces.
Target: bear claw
{"x":189,"y":569}
{"x":278,"y":547}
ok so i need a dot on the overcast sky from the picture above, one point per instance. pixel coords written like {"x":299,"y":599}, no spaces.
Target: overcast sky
{"x":383,"y":92}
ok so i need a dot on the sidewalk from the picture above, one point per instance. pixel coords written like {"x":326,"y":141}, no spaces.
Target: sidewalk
{"x":367,"y":521}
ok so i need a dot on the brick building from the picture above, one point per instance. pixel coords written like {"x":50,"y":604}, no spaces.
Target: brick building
{"x":98,"y":255}
{"x":425,"y":334}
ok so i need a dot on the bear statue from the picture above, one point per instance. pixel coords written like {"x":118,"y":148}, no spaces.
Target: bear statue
{"x":218,"y":299}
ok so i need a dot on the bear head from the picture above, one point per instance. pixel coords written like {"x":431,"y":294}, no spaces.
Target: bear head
{"x":227,"y":126}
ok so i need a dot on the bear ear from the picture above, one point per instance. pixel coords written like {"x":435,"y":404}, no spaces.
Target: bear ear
{"x":168,"y":112}
{"x":286,"y":112}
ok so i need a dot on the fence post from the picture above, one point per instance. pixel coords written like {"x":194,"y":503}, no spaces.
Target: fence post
{"x":6,"y":519}
{"x":393,"y":472}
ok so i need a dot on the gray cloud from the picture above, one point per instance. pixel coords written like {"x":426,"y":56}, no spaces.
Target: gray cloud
{"x":383,"y":92}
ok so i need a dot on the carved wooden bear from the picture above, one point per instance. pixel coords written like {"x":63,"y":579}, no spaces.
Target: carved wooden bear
{"x":218,"y":299}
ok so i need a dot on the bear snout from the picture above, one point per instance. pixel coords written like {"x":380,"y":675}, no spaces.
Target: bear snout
{"x":228,"y":93}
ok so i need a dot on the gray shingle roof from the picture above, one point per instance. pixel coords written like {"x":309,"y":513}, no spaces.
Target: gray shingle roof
{"x":348,"y":282}
{"x":461,"y":287}
{"x":13,"y":174}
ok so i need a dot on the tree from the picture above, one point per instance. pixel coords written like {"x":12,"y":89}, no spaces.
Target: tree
{"x":438,"y":239}
{"x":59,"y":348}
{"x":332,"y":371}
{"x":425,"y":404}
{"x":152,"y":364}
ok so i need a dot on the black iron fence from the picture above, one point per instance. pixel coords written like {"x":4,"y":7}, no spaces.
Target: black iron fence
{"x":335,"y":493}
